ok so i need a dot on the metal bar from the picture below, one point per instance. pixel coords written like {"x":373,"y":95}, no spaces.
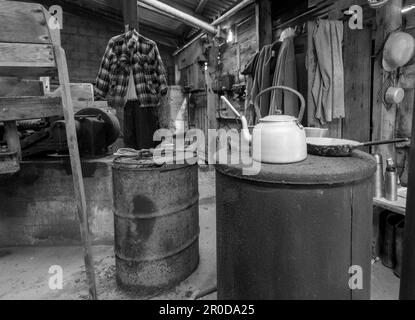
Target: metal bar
{"x":175,"y":53}
{"x":224,"y":99}
{"x":308,"y":15}
{"x":407,"y":287}
{"x":226,"y":15}
{"x":184,"y":17}
{"x":232,"y":11}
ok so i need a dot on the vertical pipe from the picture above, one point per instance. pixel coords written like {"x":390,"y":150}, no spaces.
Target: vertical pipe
{"x":407,"y":288}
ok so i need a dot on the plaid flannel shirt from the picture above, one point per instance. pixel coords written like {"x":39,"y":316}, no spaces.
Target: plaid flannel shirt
{"x":124,"y":52}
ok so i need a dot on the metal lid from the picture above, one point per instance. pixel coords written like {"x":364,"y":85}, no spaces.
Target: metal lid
{"x":278,"y":118}
{"x":314,"y":170}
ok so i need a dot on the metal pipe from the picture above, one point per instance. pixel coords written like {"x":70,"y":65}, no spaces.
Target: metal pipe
{"x":226,"y":15}
{"x":175,"y":53}
{"x":184,"y":17}
{"x":232,"y":11}
{"x":224,"y":99}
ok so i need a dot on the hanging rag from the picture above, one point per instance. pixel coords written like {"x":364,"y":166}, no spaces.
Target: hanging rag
{"x":262,"y":79}
{"x":285,"y":74}
{"x":328,"y":85}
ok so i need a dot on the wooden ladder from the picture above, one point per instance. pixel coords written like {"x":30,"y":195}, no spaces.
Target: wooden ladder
{"x":28,"y":48}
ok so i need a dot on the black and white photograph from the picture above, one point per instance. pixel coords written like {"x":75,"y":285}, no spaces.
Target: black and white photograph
{"x":201,"y":156}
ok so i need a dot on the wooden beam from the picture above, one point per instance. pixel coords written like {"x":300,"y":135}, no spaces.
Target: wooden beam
{"x":24,"y":108}
{"x":14,"y":87}
{"x":388,"y":18}
{"x":357,"y":83}
{"x":201,"y":6}
{"x":78,"y":181}
{"x":212,"y":99}
{"x":26,"y":59}
{"x":263,"y":22}
{"x":23,"y":22}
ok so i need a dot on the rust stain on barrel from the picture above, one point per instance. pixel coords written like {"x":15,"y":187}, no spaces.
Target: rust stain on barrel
{"x":156,"y":225}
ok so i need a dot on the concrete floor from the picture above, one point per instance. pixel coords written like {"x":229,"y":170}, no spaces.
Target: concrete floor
{"x":24,"y":270}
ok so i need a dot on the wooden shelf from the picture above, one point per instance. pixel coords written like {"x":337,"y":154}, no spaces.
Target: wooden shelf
{"x":388,"y":205}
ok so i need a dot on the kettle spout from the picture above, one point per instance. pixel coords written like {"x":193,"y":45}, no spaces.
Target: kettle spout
{"x":245,"y":130}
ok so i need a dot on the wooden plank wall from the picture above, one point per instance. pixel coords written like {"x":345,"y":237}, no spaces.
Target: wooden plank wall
{"x":235,"y":55}
{"x":357,"y":80}
{"x":190,"y":64}
{"x":388,"y":18}
{"x":405,"y":109}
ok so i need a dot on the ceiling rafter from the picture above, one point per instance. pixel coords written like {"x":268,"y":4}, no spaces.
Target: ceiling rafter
{"x":201,"y":6}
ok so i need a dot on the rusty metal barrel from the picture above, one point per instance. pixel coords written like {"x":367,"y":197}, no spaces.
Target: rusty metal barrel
{"x":295,"y":231}
{"x":156,"y":221}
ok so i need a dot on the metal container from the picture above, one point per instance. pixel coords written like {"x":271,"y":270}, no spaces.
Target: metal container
{"x":156,"y":224}
{"x":379,"y":178}
{"x":391,"y":181}
{"x":295,"y":231}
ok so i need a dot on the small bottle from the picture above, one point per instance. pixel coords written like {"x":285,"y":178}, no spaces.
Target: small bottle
{"x":391,"y":181}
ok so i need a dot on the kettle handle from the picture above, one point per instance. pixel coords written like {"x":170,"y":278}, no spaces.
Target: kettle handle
{"x":299,"y":95}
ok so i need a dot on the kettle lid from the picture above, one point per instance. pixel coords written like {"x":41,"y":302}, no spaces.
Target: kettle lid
{"x":278,"y":118}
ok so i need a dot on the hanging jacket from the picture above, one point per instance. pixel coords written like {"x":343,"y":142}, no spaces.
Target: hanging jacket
{"x":123,"y":52}
{"x":262,"y":79}
{"x":285,"y":75}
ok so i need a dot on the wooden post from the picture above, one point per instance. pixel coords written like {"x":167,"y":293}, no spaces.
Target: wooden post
{"x":212,"y":100}
{"x":407,"y":286}
{"x":357,"y":83}
{"x":388,"y":19}
{"x":76,"y":166}
{"x":130,"y":14}
{"x":263,"y":22}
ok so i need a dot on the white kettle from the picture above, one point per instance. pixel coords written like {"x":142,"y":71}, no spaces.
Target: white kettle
{"x":277,"y":139}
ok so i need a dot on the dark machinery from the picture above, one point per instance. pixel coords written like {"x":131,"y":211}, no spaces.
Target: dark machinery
{"x":96,"y":131}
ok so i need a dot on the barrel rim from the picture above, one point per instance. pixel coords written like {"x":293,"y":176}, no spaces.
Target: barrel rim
{"x":134,"y":167}
{"x":366,"y":171}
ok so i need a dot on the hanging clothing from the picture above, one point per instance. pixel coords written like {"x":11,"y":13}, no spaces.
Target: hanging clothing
{"x":328,"y":84}
{"x":285,"y":74}
{"x":139,"y":126}
{"x":249,"y":72}
{"x":131,"y":92}
{"x":123,"y":55}
{"x":250,"y":67}
{"x":262,"y":79}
